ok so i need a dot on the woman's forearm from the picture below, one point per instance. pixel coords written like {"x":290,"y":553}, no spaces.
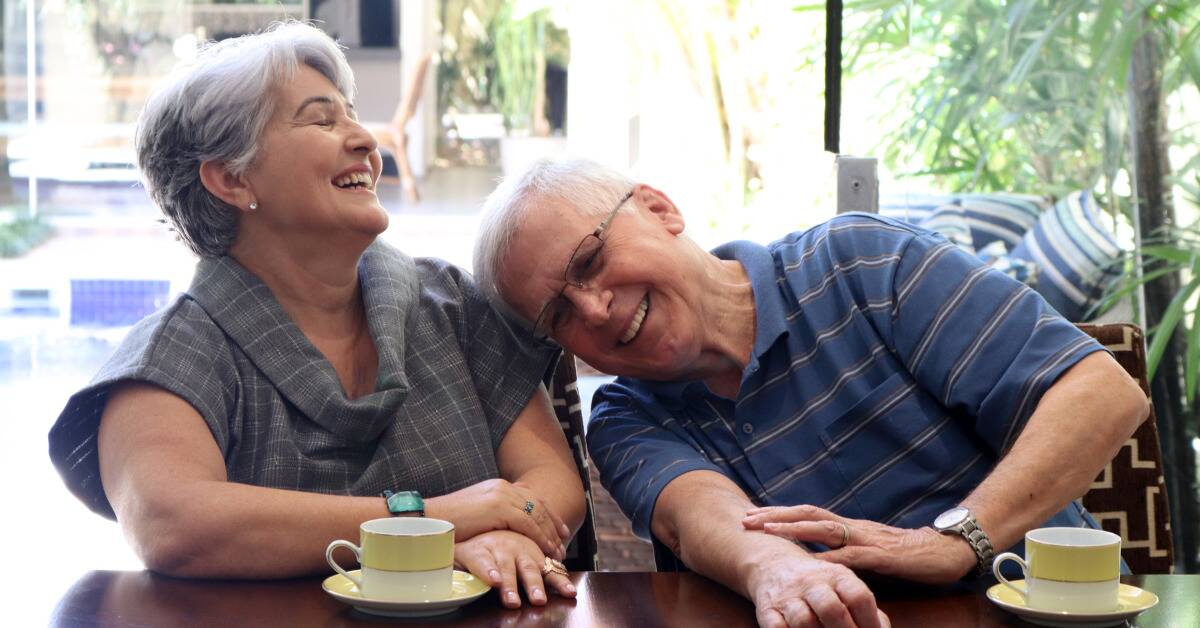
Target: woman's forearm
{"x":561,"y":488}
{"x":217,"y":529}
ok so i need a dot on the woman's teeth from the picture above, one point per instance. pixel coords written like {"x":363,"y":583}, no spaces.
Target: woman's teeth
{"x":636,"y":324}
{"x":357,"y":178}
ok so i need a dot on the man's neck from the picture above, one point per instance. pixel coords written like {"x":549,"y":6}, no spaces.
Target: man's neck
{"x":731,"y":325}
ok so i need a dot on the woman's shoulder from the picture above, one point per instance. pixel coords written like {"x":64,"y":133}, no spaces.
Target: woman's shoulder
{"x":178,"y":335}
{"x":431,"y":277}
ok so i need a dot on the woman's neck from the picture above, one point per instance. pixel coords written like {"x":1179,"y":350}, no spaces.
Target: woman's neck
{"x":318,"y":288}
{"x":316,"y":285}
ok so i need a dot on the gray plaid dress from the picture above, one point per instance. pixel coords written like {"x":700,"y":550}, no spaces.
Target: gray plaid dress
{"x":452,"y":378}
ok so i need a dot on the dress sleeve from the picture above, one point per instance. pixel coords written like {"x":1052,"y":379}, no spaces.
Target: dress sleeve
{"x":178,"y":350}
{"x":507,"y":363}
{"x":636,"y":455}
{"x":985,"y":345}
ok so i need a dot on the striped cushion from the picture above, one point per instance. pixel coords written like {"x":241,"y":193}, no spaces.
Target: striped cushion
{"x":1075,"y":254}
{"x":991,"y":217}
{"x":951,"y":222}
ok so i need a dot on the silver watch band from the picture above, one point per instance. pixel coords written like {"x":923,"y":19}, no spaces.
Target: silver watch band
{"x":979,"y":541}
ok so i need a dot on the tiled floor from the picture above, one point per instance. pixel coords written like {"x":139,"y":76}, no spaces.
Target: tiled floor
{"x":112,"y":231}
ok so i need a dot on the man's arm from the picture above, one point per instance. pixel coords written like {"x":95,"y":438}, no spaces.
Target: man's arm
{"x":1078,"y":426}
{"x":698,"y":515}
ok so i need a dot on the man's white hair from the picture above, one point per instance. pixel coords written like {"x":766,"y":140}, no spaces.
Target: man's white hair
{"x":582,"y":185}
{"x":215,"y":107}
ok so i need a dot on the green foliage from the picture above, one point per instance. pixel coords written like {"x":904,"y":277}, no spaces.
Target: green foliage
{"x":494,"y":57}
{"x":1175,"y":250}
{"x":1032,"y":96}
{"x":19,"y":235}
{"x":1023,"y":95}
{"x":520,"y":60}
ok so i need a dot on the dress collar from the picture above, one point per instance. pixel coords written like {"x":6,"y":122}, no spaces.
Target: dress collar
{"x":248,"y":313}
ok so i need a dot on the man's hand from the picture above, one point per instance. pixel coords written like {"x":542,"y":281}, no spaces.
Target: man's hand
{"x":796,"y":591}
{"x":921,"y":555}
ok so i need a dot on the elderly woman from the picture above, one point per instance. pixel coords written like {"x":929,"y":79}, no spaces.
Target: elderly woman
{"x":309,"y":368}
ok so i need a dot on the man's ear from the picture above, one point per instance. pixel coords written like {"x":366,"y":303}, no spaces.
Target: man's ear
{"x":225,"y":185}
{"x":660,"y":206}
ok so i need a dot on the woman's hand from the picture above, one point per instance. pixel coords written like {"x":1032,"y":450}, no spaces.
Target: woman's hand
{"x":501,"y":505}
{"x":502,"y":558}
{"x":922,"y":555}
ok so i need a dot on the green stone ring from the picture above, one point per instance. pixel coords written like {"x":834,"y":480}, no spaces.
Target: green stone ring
{"x":529,"y":508}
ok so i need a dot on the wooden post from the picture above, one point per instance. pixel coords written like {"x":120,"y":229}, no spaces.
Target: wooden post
{"x":1156,"y":213}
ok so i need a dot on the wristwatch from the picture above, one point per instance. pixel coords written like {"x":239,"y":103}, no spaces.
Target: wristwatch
{"x":960,"y":521}
{"x":405,"y":503}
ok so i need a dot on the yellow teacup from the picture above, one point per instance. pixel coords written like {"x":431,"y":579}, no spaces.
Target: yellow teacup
{"x":1075,"y":570}
{"x":404,"y":559}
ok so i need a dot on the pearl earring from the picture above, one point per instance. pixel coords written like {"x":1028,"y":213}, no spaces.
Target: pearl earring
{"x":253,"y":205}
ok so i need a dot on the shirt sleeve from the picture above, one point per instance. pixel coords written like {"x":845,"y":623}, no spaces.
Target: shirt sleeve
{"x":635,"y":454}
{"x":986,"y":346}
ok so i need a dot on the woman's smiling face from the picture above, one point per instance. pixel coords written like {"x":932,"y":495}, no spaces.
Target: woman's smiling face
{"x":317,"y":167}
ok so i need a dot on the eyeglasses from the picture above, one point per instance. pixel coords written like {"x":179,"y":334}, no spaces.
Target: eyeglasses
{"x":584,"y":265}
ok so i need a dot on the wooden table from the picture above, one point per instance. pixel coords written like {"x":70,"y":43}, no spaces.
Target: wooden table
{"x":115,"y":598}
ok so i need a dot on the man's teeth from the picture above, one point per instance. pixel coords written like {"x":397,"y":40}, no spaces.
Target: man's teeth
{"x":357,"y":178}
{"x":636,"y":324}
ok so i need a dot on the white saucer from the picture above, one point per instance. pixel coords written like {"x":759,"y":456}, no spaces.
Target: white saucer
{"x":1131,"y":602}
{"x":466,"y":588}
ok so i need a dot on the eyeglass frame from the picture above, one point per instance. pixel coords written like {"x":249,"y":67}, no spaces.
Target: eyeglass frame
{"x":597,"y":233}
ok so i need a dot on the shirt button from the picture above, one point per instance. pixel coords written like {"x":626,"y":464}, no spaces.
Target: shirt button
{"x":747,"y":428}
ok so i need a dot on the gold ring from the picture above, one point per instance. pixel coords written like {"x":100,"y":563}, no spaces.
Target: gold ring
{"x":845,"y":536}
{"x":550,"y":566}
{"x":528,"y":508}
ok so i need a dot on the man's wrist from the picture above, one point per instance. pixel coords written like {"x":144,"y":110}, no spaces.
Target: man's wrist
{"x":756,"y":563}
{"x":961,"y":522}
{"x":966,"y":562}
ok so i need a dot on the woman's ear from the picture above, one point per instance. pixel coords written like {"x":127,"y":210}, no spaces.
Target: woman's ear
{"x":225,"y":185}
{"x":660,"y":206}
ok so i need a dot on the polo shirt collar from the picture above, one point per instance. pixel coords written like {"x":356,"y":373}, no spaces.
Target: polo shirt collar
{"x":769,"y":307}
{"x":248,"y":313}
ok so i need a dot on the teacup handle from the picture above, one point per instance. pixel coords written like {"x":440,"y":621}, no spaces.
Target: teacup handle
{"x":1024,"y":570}
{"x":338,"y":568}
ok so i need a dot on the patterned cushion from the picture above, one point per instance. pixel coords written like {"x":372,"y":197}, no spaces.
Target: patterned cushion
{"x":990,"y":217}
{"x":1130,"y":498}
{"x":951,"y":222}
{"x":1076,"y":255}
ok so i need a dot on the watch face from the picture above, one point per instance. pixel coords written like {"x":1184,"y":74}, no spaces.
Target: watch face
{"x":405,"y":501}
{"x":951,"y":518}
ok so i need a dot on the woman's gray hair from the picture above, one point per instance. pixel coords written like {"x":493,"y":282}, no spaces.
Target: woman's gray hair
{"x":585,"y":186}
{"x":214,"y":107}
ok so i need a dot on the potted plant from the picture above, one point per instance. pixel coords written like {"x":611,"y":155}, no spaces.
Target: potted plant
{"x":525,"y":40}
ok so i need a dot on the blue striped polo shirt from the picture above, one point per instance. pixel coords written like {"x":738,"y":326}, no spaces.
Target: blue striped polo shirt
{"x":889,"y":373}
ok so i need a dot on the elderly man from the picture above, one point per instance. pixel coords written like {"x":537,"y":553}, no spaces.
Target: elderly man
{"x":863,"y":388}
